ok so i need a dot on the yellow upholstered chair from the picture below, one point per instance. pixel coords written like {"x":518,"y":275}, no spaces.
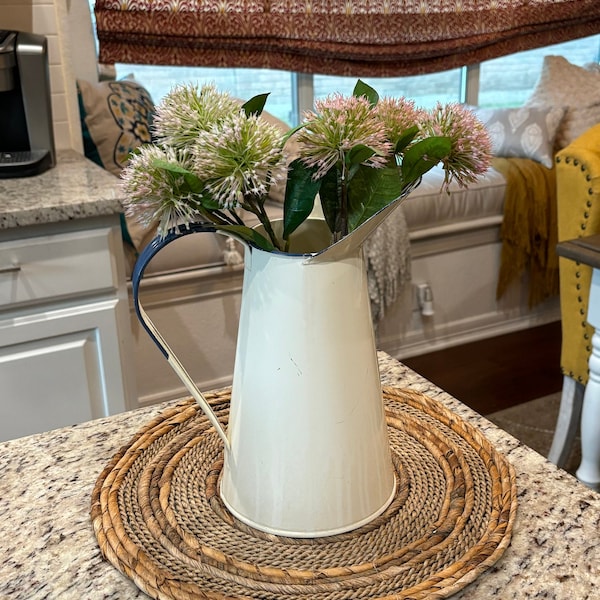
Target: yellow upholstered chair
{"x":578,"y":200}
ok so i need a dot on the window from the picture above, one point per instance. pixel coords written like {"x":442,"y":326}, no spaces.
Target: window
{"x":509,"y":80}
{"x":240,"y":83}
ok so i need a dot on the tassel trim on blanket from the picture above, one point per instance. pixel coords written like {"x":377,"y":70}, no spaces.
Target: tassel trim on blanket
{"x":387,"y":253}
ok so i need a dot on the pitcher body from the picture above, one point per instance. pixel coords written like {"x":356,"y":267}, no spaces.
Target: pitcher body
{"x":309,"y":452}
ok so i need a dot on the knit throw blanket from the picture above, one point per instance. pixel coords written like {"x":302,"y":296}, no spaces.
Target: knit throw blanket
{"x":387,"y":253}
{"x":529,"y":228}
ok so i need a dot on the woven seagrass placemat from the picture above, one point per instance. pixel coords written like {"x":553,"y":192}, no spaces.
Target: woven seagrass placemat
{"x":158,"y":517}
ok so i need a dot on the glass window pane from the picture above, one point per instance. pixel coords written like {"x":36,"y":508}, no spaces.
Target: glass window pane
{"x":241,"y":83}
{"x":509,"y":80}
{"x":425,"y":90}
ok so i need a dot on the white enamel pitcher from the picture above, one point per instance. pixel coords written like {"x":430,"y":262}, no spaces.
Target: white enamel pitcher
{"x":306,"y":446}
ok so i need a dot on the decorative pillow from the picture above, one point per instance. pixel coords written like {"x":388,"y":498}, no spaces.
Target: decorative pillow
{"x":115,"y":119}
{"x":577,"y":89}
{"x":117,"y":116}
{"x":522,"y":132}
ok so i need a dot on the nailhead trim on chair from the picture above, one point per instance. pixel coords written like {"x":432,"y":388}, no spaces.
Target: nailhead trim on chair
{"x":583,"y":227}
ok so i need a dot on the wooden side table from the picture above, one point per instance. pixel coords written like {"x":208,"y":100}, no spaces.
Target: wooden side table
{"x":586,"y":250}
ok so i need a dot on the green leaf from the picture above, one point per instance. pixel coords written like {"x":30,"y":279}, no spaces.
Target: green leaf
{"x":330,"y":195}
{"x":406,"y":137}
{"x":159,"y":163}
{"x":193,"y":183}
{"x":250,"y":235}
{"x":209,"y":203}
{"x":371,"y":190}
{"x":300,"y":192}
{"x":423,"y":156}
{"x":255,"y":105}
{"x":359,"y":154}
{"x":363,"y":89}
{"x":288,"y":134}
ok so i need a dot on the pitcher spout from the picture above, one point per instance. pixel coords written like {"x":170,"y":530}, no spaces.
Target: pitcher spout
{"x":357,"y":237}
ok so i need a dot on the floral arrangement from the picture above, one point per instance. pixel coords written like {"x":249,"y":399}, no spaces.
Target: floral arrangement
{"x":213,"y":155}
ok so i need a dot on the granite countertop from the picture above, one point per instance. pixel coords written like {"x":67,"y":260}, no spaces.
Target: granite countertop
{"x":48,"y":548}
{"x":75,"y":188}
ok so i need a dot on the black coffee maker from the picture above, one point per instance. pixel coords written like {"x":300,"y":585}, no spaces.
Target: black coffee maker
{"x":26,"y":135}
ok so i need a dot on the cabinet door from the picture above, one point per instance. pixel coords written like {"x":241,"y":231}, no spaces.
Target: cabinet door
{"x":53,"y":372}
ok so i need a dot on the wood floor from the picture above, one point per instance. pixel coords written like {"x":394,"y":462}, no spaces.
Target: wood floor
{"x":500,"y":372}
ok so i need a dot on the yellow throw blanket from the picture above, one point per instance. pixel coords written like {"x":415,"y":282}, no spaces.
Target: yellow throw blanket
{"x":529,"y":228}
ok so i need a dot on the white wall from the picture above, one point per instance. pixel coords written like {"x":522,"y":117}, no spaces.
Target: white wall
{"x":51,"y":18}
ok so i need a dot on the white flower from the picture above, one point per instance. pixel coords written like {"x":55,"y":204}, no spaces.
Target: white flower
{"x":155,"y":193}
{"x":186,"y":111}
{"x":239,"y":159}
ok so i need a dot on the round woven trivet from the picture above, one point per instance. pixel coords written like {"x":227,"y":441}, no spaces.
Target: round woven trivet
{"x":158,"y":517}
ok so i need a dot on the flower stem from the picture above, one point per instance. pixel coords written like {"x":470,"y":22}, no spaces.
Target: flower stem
{"x":341,"y":220}
{"x":264,"y":219}
{"x":259,"y":210}
{"x":224,"y":219}
{"x":236,"y":218}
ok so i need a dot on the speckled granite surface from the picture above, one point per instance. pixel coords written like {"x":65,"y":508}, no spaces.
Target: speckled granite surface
{"x":74,"y":189}
{"x":48,"y":549}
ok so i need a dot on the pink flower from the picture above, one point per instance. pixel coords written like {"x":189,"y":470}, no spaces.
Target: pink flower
{"x":339,"y":125}
{"x":398,"y":115}
{"x":471,"y":145}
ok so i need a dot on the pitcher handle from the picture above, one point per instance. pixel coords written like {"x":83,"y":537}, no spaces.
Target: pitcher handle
{"x":144,"y":258}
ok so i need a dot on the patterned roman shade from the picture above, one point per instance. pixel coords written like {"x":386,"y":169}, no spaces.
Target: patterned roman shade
{"x":344,"y":37}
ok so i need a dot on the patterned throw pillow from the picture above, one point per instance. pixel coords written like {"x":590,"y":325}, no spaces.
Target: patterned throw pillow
{"x":116,"y":117}
{"x":522,"y":132}
{"x":577,"y":89}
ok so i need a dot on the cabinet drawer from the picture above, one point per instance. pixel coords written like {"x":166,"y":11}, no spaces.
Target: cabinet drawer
{"x":53,"y":266}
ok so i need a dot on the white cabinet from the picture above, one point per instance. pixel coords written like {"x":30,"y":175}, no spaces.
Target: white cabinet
{"x":65,"y":336}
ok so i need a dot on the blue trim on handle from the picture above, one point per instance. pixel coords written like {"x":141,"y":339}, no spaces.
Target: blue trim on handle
{"x":147,"y":254}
